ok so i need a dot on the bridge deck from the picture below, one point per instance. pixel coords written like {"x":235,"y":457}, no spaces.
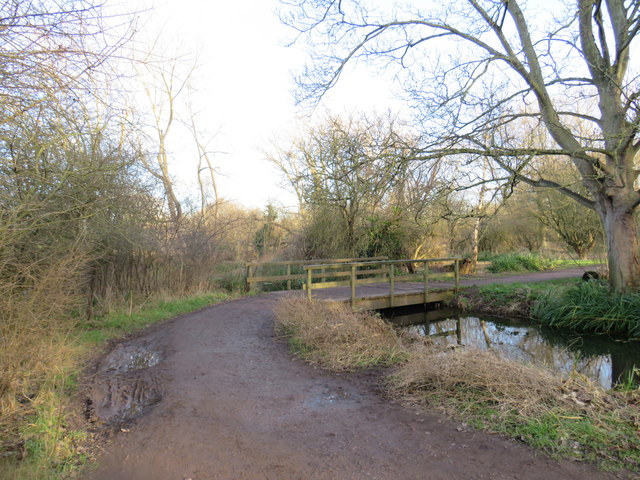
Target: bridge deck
{"x":376,"y":295}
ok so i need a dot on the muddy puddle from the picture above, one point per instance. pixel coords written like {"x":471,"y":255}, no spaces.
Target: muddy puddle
{"x":605,"y":360}
{"x":125,"y":383}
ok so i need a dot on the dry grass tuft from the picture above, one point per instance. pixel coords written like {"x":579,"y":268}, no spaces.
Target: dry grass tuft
{"x":329,"y":334}
{"x":435,"y":374}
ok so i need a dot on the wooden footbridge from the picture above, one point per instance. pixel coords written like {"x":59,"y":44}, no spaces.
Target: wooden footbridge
{"x":367,"y":284}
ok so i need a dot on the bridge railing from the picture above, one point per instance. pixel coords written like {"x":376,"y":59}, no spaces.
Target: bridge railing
{"x":256,"y":270}
{"x":367,"y":272}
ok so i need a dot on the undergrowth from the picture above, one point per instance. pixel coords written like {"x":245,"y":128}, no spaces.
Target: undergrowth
{"x":122,"y":321}
{"x":509,"y":299}
{"x":529,"y":262}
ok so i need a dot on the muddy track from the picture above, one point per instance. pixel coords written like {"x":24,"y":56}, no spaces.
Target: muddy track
{"x":230,"y":402}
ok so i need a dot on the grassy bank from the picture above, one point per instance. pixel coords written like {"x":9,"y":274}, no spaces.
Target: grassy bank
{"x":40,"y":437}
{"x":583,"y":307}
{"x":562,"y":417}
{"x":509,"y":299}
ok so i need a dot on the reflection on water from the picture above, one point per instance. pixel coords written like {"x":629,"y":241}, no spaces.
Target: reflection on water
{"x":602,"y":359}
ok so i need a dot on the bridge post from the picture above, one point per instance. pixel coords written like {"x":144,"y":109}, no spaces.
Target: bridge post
{"x":456,"y":270}
{"x":425,"y":272}
{"x":288,"y":275}
{"x":309,"y":283}
{"x":247,"y":287}
{"x":391,"y":284}
{"x":353,"y":286}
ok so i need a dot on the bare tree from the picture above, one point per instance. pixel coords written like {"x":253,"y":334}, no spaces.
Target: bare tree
{"x":483,"y":71}
{"x":206,"y":172}
{"x":166,"y":81}
{"x":348,"y":167}
{"x":578,"y":227}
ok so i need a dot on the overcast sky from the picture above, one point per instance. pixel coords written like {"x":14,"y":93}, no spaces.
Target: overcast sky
{"x":244,"y":81}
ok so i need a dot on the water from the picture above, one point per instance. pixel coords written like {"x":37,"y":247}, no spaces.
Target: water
{"x":603,"y":359}
{"x":125,"y":358}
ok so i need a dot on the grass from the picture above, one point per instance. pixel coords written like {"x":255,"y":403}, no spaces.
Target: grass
{"x":574,"y":262}
{"x":121,"y":322}
{"x":330,"y":335}
{"x":43,"y":444}
{"x":518,"y":262}
{"x":591,"y":307}
{"x":529,"y":262}
{"x":38,"y":439}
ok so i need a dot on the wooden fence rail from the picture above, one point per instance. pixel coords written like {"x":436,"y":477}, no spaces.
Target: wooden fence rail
{"x":372,"y":271}
{"x":253,"y":267}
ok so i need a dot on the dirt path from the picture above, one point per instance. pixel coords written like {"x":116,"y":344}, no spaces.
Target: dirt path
{"x":236,"y":405}
{"x":576,"y":272}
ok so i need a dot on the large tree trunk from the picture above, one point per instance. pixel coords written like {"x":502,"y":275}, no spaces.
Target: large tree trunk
{"x":621,"y":235}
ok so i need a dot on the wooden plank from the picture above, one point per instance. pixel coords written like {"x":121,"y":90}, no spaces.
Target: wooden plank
{"x":401,"y":300}
{"x":302,"y":276}
{"x":386,"y":262}
{"x":343,"y":283}
{"x":315,"y":261}
{"x":353,"y":281}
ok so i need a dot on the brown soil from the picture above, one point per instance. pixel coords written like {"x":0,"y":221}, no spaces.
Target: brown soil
{"x":232,"y":403}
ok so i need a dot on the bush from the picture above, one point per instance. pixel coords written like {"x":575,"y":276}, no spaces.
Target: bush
{"x":591,"y":307}
{"x":233,"y":280}
{"x":518,"y":262}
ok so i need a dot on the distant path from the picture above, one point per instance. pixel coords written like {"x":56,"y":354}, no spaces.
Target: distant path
{"x":236,"y":405}
{"x":528,"y":277}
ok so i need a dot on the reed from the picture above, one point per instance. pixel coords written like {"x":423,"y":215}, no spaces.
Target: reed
{"x":591,"y":307}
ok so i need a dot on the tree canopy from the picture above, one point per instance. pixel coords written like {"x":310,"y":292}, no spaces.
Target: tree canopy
{"x":507,"y":80}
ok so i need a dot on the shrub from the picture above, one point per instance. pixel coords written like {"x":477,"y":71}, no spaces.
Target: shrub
{"x":519,"y":262}
{"x":233,"y":280}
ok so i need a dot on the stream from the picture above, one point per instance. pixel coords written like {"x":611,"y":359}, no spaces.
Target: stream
{"x":603,"y":359}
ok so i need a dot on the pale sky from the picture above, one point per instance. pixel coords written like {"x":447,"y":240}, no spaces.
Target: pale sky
{"x":244,"y":82}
